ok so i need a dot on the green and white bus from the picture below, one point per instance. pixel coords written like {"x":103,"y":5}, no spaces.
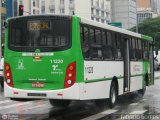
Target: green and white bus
{"x":64,"y":58}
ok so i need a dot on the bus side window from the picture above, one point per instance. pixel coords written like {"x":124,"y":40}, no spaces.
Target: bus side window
{"x":136,"y":49}
{"x":96,"y":43}
{"x":107,"y":45}
{"x":145,"y":50}
{"x":140,"y":49}
{"x":85,"y":42}
{"x":117,"y":46}
{"x":132,"y":49}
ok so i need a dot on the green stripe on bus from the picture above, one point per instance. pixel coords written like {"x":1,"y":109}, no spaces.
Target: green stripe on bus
{"x":105,"y":79}
{"x":137,"y":75}
{"x":146,"y":38}
{"x":101,"y":79}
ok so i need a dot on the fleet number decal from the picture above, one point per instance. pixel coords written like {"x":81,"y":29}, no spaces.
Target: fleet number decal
{"x":88,"y":69}
{"x":57,"y":61}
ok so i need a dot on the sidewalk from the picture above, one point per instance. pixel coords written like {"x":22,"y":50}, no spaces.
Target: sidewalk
{"x":157,"y":74}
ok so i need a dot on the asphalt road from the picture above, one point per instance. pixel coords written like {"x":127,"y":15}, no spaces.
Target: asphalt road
{"x":145,"y":107}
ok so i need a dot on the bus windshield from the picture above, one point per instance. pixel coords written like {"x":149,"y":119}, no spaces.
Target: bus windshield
{"x":47,"y":35}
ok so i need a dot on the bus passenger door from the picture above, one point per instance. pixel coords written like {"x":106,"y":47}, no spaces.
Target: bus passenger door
{"x":126,"y":65}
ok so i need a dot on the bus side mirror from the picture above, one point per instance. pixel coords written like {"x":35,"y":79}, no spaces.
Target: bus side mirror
{"x":5,"y":24}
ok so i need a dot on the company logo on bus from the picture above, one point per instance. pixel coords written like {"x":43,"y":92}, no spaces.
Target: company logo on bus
{"x":38,"y":84}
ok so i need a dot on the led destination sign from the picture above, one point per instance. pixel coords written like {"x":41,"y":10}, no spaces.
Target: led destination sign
{"x":38,"y":25}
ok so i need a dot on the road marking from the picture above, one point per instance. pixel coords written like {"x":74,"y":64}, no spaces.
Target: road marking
{"x":143,"y":99}
{"x":138,"y":112}
{"x":133,"y":104}
{"x":100,"y":115}
{"x":30,"y":109}
{"x":5,"y":101}
{"x":15,"y":104}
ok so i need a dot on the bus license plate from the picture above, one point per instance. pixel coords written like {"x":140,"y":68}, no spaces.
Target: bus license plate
{"x":38,"y":84}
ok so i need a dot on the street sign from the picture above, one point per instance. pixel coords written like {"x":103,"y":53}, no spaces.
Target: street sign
{"x":116,"y":24}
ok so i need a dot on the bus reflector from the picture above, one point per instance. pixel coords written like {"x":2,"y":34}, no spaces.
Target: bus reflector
{"x":37,"y":57}
{"x":59,"y":94}
{"x":8,"y":74}
{"x":15,"y":92}
{"x":70,"y":75}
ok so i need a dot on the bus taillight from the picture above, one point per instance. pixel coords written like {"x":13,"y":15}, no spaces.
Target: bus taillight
{"x":70,"y":75}
{"x":8,"y":74}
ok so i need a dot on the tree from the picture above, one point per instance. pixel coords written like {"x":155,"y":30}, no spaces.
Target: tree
{"x":150,"y":27}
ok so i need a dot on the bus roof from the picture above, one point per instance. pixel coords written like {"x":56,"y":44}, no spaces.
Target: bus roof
{"x":40,"y":15}
{"x":116,"y":29}
{"x":93,"y":23}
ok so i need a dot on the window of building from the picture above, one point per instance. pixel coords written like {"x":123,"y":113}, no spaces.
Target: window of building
{"x":92,"y":11}
{"x":97,"y":19}
{"x":102,"y":21}
{"x":43,"y":7}
{"x":97,"y":3}
{"x":71,"y":1}
{"x":52,"y":10}
{"x":62,"y":11}
{"x":97,"y":12}
{"x":92,"y":18}
{"x":3,"y":3}
{"x":92,"y":2}
{"x":52,"y":6}
{"x":102,"y":13}
{"x":102,"y":5}
{"x":34,"y":3}
{"x":34,"y":12}
{"x":62,"y":2}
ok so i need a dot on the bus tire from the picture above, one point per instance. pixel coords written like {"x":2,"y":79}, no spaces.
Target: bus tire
{"x":142,"y":91}
{"x":113,"y":95}
{"x":59,"y":103}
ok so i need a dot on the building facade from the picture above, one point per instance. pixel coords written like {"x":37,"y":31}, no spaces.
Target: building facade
{"x":30,"y":7}
{"x":97,"y":10}
{"x":3,"y":16}
{"x":147,"y":9}
{"x":124,"y":11}
{"x":101,"y":11}
{"x":155,"y":5}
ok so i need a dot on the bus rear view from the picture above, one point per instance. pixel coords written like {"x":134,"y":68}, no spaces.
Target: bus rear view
{"x":39,"y":61}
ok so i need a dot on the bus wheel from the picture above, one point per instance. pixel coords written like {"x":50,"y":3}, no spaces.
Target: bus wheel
{"x":59,"y":103}
{"x":142,"y":91}
{"x":113,"y":95}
